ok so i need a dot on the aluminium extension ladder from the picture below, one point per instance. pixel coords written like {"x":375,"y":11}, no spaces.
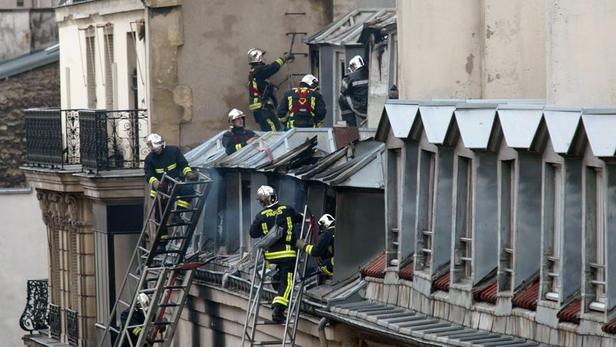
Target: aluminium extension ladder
{"x":161,"y":271}
{"x":295,"y":298}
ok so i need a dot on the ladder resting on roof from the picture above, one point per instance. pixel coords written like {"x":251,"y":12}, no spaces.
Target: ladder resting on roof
{"x":160,"y":271}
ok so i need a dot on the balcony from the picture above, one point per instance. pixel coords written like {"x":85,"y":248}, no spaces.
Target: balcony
{"x":92,"y":140}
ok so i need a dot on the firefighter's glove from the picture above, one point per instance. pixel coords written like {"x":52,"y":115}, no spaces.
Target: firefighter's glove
{"x":192,"y":176}
{"x":300,"y":244}
{"x":155,"y":184}
{"x":288,"y":58}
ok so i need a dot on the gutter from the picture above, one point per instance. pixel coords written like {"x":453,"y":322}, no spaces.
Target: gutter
{"x":375,"y":329}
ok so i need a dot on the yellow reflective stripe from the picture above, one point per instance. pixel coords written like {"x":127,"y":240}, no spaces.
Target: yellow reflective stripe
{"x":332,"y":261}
{"x":164,"y":237}
{"x":264,"y":228}
{"x":153,"y":193}
{"x":254,"y":106}
{"x":182,"y":203}
{"x":325,"y":271}
{"x":161,"y":170}
{"x":172,"y":166}
{"x":313,"y":102}
{"x":186,"y":170}
{"x":136,"y":330}
{"x":287,"y":292}
{"x":280,"y":255}
{"x":280,"y":300}
{"x":238,"y":146}
{"x":271,"y":124}
{"x":309,"y":249}
{"x":289,"y":229}
{"x":290,"y":98}
{"x":152,"y":180}
{"x":280,"y":61}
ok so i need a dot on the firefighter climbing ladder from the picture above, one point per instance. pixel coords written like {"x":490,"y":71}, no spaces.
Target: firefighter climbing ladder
{"x":161,"y":271}
{"x":295,"y":298}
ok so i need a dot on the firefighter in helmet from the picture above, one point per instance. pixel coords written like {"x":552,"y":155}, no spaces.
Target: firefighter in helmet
{"x":237,"y":136}
{"x":353,"y":98}
{"x":323,"y":250}
{"x":261,"y":91}
{"x":304,"y":105}
{"x":283,"y":252}
{"x":136,"y":320}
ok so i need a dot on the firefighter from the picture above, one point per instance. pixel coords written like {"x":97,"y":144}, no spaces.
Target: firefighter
{"x":323,"y":250}
{"x":138,"y":318}
{"x":237,"y":136}
{"x":304,"y":105}
{"x":166,"y":159}
{"x":283,"y":252}
{"x":353,"y":98}
{"x":262,"y":102}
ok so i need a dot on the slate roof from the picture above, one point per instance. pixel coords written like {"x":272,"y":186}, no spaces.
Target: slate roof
{"x":519,"y":121}
{"x":347,"y":30}
{"x":30,"y":61}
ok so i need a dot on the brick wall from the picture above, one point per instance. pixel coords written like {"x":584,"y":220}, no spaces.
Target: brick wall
{"x":36,"y":88}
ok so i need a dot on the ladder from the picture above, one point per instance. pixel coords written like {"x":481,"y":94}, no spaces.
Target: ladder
{"x":161,"y":271}
{"x":255,"y":301}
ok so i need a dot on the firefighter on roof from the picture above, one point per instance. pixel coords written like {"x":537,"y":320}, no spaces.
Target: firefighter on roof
{"x":304,"y":105}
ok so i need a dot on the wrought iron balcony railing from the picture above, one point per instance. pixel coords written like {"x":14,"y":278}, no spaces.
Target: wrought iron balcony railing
{"x":35,"y":313}
{"x":95,"y":139}
{"x":72,"y":327}
{"x":55,"y":322}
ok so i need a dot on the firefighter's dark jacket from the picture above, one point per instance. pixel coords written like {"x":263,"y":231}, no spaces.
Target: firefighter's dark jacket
{"x":236,"y":138}
{"x":305,"y":107}
{"x":170,"y":160}
{"x":324,"y":247}
{"x":354,"y":90}
{"x":136,"y":319}
{"x":260,"y":89}
{"x":285,"y":217}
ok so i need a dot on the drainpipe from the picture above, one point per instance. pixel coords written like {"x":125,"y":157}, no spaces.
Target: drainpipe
{"x":322,"y":324}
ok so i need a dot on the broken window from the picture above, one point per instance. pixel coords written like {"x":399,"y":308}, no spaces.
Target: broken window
{"x":507,"y":213}
{"x":552,"y":209}
{"x":427,"y":178}
{"x":394,"y":203}
{"x":595,"y":238}
{"x":463,"y":215}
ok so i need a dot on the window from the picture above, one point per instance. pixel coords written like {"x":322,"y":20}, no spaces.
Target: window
{"x":507,"y":212}
{"x":90,"y":67}
{"x":131,"y":59}
{"x":427,"y":177}
{"x":109,"y":61}
{"x":20,"y":3}
{"x":552,"y":209}
{"x":394,"y":203}
{"x":464,"y":240}
{"x":595,"y":238}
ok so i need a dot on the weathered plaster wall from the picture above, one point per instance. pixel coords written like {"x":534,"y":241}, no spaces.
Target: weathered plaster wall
{"x":342,"y":7}
{"x":24,"y":30}
{"x":36,"y":88}
{"x":198,"y":62}
{"x":514,"y":49}
{"x":24,"y":257}
{"x":581,"y":59}
{"x":439,"y":49}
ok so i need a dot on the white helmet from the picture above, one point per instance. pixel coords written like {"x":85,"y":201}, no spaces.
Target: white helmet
{"x":255,"y":55}
{"x":266,"y":196}
{"x":155,"y":141}
{"x":235,"y":114}
{"x":355,"y":63}
{"x":326,"y":221}
{"x":310,"y":80}
{"x":143,"y":301}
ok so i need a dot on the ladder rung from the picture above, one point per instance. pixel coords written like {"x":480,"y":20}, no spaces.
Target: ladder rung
{"x":181,"y":224}
{"x":508,"y":270}
{"x":395,"y":230}
{"x":266,"y":343}
{"x":162,"y":323}
{"x":134,"y":276}
{"x":465,"y":239}
{"x":147,"y":291}
{"x":596,"y":265}
{"x":144,"y":249}
{"x":600,"y":283}
{"x":267,"y":322}
{"x":168,"y":305}
{"x":466,"y":259}
{"x":426,"y":232}
{"x":182,"y":210}
{"x":123,"y":302}
{"x":508,"y":250}
{"x":553,"y":274}
{"x":395,"y":243}
{"x":177,"y":238}
{"x":426,"y":250}
{"x":175,"y":287}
